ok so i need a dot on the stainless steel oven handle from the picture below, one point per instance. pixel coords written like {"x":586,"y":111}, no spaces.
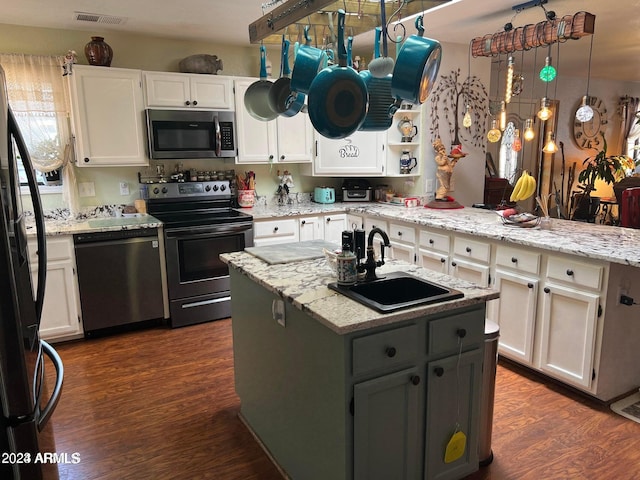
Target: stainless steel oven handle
{"x":205,"y":302}
{"x":207,"y":231}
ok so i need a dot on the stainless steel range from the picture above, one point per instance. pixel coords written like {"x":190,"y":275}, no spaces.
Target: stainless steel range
{"x":199,"y":225}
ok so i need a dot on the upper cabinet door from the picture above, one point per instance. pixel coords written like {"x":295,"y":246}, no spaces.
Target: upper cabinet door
{"x":295,"y":138}
{"x":108,"y":116}
{"x":359,"y":154}
{"x":185,"y":90}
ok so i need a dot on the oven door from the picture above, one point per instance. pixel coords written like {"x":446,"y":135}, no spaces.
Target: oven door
{"x":194,"y":267}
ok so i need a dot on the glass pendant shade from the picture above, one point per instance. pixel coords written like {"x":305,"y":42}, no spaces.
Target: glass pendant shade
{"x":550,"y":146}
{"x":503,"y":117}
{"x":494,"y":134}
{"x":548,"y":72}
{"x":529,"y":134}
{"x":516,"y":146}
{"x":545,"y":112}
{"x":466,"y":120}
{"x":585,"y":112}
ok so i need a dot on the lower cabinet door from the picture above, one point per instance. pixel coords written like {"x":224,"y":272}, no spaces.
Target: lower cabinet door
{"x":453,"y":399}
{"x":386,"y":430}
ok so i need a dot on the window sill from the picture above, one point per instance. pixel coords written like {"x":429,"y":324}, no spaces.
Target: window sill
{"x":43,"y":189}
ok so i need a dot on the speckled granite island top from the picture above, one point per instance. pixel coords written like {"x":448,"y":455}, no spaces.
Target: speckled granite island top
{"x":304,"y":284}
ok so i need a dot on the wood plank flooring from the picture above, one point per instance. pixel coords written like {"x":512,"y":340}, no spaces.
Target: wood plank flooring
{"x":160,"y":404}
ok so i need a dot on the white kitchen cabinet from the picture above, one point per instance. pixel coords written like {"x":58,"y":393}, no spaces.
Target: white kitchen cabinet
{"x":355,"y":222}
{"x":185,"y":90}
{"x":311,"y":228}
{"x":285,"y":139}
{"x":272,"y":231}
{"x":60,"y":312}
{"x":433,"y":250}
{"x":334,"y":225}
{"x":517,"y":276}
{"x":470,"y":260}
{"x":108,"y":116}
{"x":569,"y":318}
{"x":360,"y":154}
{"x":403,"y":242}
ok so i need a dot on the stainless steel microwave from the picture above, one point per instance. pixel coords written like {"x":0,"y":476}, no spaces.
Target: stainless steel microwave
{"x":191,"y":133}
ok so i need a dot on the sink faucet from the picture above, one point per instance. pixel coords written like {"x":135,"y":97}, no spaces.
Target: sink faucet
{"x":371,"y":264}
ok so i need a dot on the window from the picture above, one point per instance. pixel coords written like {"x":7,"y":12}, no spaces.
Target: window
{"x":40,"y":103}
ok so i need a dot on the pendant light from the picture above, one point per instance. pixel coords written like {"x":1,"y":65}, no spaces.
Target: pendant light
{"x":466,"y":120}
{"x":550,"y":146}
{"x":494,"y":134}
{"x":548,"y":72}
{"x":516,"y":146}
{"x":508,"y":92}
{"x":544,"y":113}
{"x":585,"y":112}
{"x":503,"y":116}
{"x":529,"y":133}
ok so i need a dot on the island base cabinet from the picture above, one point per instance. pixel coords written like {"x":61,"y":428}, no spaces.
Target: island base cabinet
{"x":386,"y":429}
{"x":453,"y":394}
{"x":356,"y":406}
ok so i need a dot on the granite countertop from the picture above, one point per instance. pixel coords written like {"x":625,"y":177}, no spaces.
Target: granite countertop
{"x":272,"y":211}
{"x":304,"y":284}
{"x":602,"y":242}
{"x":68,"y":226}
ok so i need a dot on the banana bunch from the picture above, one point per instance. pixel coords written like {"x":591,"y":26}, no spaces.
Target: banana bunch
{"x":525,"y":187}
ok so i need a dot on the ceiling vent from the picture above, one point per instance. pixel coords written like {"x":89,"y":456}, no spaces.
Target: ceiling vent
{"x":98,"y":18}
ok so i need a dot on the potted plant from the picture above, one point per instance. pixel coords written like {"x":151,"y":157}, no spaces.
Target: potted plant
{"x":608,"y":168}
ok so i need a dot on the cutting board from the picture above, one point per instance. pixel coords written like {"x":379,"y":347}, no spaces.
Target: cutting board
{"x":291,"y":252}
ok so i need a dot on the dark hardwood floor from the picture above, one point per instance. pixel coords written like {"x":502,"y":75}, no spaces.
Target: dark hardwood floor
{"x":160,"y":404}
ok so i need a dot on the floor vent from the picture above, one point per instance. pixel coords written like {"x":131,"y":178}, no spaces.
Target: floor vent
{"x":98,"y":18}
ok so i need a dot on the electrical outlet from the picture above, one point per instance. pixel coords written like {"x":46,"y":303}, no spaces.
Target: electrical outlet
{"x":277,"y":310}
{"x":621,"y":291}
{"x":86,"y":189}
{"x":124,"y":188}
{"x":429,"y":185}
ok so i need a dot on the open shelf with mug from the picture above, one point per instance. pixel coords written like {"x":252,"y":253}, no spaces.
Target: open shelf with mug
{"x":404,"y":153}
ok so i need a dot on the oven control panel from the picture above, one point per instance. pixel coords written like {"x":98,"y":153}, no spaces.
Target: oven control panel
{"x":217,"y":189}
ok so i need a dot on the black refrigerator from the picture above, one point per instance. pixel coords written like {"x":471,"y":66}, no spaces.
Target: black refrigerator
{"x":26,"y":401}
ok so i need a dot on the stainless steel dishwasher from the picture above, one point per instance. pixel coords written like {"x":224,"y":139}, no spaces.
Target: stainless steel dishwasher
{"x":119,"y":276}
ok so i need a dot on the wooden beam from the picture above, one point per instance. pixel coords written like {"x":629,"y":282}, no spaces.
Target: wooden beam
{"x":533,"y":36}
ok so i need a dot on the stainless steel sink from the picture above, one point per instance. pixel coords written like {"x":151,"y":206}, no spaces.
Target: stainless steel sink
{"x":396,"y":291}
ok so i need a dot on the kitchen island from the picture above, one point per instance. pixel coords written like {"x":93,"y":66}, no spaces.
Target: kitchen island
{"x":333,"y":389}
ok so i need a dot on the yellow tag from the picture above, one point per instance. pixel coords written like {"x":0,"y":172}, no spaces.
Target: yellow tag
{"x":455,"y":447}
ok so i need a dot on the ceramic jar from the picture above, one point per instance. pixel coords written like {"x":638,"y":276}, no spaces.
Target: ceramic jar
{"x":98,"y":52}
{"x":346,"y":268}
{"x":246,"y":198}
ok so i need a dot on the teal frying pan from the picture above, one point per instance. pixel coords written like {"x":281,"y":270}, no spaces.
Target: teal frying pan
{"x":416,"y":67}
{"x":281,"y":98}
{"x":380,"y":98}
{"x":338,"y":97}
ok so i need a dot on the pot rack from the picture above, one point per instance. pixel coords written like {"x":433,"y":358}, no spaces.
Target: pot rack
{"x":362,"y":16}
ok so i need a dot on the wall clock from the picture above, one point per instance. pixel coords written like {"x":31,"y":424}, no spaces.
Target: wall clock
{"x":589,"y":134}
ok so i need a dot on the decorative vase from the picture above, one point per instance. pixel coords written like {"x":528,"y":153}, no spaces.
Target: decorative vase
{"x":246,"y":198}
{"x":98,"y":52}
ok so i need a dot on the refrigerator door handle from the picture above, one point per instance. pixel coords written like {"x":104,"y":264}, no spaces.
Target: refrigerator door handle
{"x":37,"y":212}
{"x":48,"y":409}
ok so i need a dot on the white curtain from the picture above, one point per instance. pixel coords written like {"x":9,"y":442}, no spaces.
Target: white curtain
{"x":39,"y":98}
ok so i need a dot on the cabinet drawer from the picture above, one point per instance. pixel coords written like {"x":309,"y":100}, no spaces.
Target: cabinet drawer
{"x":518,"y":259}
{"x":402,"y":233}
{"x":57,"y":249}
{"x":385,"y":350}
{"x":479,"y":251}
{"x":434,"y":241}
{"x":572,"y":272}
{"x":275,"y":228}
{"x":443,"y":333}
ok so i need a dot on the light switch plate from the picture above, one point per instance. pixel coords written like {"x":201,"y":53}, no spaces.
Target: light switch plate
{"x":86,"y":189}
